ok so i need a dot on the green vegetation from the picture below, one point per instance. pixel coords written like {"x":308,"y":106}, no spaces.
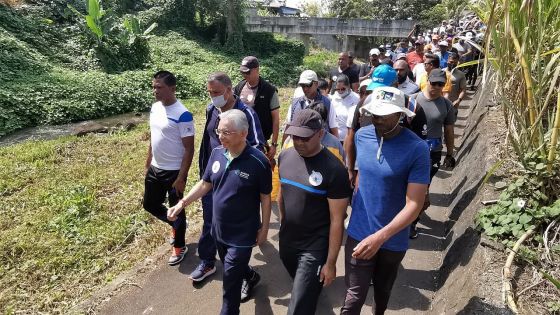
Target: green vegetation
{"x":48,"y":74}
{"x":522,"y":50}
{"x":321,"y":61}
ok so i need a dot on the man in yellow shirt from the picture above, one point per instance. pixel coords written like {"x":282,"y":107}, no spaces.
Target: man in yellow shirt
{"x":431,"y":62}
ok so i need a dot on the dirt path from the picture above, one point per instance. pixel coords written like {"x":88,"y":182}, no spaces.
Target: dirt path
{"x":166,"y":290}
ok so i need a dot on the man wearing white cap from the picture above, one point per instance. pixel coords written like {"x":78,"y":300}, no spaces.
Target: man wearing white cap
{"x":443,"y":54}
{"x":366,"y":69}
{"x":394,"y":175}
{"x":308,"y":82}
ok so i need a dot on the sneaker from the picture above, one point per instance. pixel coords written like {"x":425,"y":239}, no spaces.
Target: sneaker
{"x":248,"y":285}
{"x":413,"y":232}
{"x":177,"y":255}
{"x":202,"y":272}
{"x":172,"y":237}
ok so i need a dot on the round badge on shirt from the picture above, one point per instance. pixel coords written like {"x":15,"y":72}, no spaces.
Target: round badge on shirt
{"x":216,"y":167}
{"x":249,"y":98}
{"x":315,"y":178}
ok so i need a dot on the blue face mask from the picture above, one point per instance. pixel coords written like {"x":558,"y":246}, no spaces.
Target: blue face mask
{"x":344,"y":94}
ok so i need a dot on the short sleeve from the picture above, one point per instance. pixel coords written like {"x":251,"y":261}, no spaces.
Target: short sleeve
{"x":186,"y":125}
{"x":451,"y":116}
{"x":265,"y":177}
{"x":463,"y":82}
{"x":420,"y":169}
{"x":208,"y":171}
{"x":274,"y":102}
{"x":332,"y":117}
{"x":339,"y":186}
{"x":350,"y":118}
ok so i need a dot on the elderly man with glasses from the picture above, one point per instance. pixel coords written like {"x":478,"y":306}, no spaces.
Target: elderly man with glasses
{"x":239,"y":178}
{"x":313,"y":197}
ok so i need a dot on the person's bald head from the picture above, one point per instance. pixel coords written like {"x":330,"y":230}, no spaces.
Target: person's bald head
{"x":402,"y":68}
{"x":343,"y":60}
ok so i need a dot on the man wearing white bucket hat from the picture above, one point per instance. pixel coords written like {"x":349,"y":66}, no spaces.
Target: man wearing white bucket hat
{"x":394,"y":174}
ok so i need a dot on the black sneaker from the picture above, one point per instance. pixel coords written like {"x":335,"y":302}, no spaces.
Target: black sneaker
{"x":248,"y":285}
{"x":413,"y":232}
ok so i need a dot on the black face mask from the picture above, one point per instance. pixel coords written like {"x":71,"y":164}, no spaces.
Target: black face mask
{"x":401,"y":79}
{"x":451,"y":66}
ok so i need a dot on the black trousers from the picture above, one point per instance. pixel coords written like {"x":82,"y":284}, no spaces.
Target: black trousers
{"x":304,"y":267}
{"x":157,"y":186}
{"x":382,"y":269}
{"x":236,"y":268}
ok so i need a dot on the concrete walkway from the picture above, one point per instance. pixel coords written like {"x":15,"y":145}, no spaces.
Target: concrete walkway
{"x":166,"y":290}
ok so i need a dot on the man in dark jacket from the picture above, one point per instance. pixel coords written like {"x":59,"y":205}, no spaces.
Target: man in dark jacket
{"x":256,"y":92}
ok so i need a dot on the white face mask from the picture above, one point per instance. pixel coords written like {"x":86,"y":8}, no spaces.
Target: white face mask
{"x":219,"y":101}
{"x":344,"y":94}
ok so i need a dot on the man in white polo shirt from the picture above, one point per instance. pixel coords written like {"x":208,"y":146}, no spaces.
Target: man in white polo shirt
{"x":169,"y":158}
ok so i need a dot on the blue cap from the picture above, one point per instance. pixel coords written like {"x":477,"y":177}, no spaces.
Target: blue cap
{"x":383,"y":75}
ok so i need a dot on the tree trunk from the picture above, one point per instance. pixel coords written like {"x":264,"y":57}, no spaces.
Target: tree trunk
{"x":234,"y":24}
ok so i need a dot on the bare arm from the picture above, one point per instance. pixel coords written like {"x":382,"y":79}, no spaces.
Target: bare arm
{"x":199,"y":189}
{"x":337,"y":209}
{"x":415,"y":194}
{"x":265,"y":217}
{"x":334,"y":131}
{"x":179,"y":184}
{"x":275,"y":132}
{"x":462,"y":93}
{"x":449,"y":131}
{"x":350,"y":149}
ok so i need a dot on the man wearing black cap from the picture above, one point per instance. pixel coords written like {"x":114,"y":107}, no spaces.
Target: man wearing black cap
{"x":440,"y":118}
{"x":314,"y":185}
{"x":262,"y":96}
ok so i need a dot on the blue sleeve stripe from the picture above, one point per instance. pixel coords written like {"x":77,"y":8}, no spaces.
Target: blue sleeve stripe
{"x":306,"y":188}
{"x":186,"y":117}
{"x":252,"y":122}
{"x":173,"y":120}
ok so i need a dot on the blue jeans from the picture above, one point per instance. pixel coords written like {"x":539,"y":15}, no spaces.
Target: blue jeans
{"x":236,"y":268}
{"x":206,"y":243}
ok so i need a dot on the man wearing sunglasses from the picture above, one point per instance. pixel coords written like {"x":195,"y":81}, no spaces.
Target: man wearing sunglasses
{"x":431,"y":63}
{"x":308,"y":82}
{"x":440,"y":118}
{"x":312,"y":200}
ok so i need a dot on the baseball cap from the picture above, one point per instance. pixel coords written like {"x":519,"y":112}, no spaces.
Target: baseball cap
{"x":248,"y":63}
{"x":374,"y":51}
{"x":386,"y":100}
{"x":383,"y":75}
{"x":307,"y":77}
{"x":305,"y":123}
{"x":387,"y":46}
{"x":401,"y":56}
{"x":443,"y":43}
{"x":365,"y":82}
{"x":437,"y":75}
{"x":419,"y":42}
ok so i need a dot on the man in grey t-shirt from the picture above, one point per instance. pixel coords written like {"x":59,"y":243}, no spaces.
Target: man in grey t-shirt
{"x":440,"y":118}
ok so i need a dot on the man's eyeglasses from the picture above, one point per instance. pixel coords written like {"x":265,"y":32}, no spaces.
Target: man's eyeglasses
{"x":304,"y":139}
{"x":428,"y":64}
{"x":308,"y":85}
{"x":221,"y":132}
{"x":440,"y":84}
{"x":341,"y":90}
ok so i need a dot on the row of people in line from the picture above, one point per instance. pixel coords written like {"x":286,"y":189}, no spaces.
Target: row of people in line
{"x":236,"y":159}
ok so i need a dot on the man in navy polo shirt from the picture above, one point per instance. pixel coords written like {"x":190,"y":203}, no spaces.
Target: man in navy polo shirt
{"x":223,"y":99}
{"x":240,"y":180}
{"x":312,"y":200}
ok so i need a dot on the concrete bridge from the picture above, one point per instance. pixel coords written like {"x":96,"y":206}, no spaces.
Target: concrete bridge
{"x":332,"y":33}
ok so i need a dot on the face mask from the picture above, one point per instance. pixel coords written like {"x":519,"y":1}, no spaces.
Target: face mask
{"x":219,"y":101}
{"x":344,"y":94}
{"x":451,"y":66}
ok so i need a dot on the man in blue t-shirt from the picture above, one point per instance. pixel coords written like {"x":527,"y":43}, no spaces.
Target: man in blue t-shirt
{"x":394,"y":166}
{"x":240,"y":180}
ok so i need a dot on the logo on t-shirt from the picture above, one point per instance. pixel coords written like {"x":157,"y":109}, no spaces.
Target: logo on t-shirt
{"x":334,"y":77}
{"x":216,"y":167}
{"x":315,"y":178}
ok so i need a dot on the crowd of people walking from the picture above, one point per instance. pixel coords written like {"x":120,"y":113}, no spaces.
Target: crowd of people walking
{"x":365,"y":141}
